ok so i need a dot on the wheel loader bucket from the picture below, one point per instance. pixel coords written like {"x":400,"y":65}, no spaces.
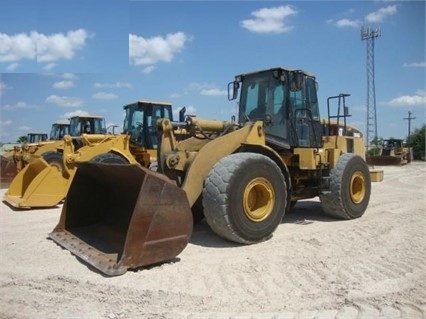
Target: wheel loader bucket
{"x":8,"y":171}
{"x":37,"y":185}
{"x":117,"y":217}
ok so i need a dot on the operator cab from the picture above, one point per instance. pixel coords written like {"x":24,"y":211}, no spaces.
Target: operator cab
{"x":286,"y":100}
{"x":87,"y":124}
{"x":141,"y":121}
{"x":36,"y":137}
{"x":58,"y":131}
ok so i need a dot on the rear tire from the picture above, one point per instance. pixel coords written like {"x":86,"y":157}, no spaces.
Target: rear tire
{"x":244,"y":197}
{"x":350,"y":188}
{"x":109,"y":158}
{"x":54,"y":159}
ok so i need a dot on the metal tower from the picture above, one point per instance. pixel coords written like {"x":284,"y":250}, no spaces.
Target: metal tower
{"x":369,"y":35}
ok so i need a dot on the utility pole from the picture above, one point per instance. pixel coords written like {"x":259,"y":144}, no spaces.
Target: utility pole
{"x":369,"y":35}
{"x":409,"y":118}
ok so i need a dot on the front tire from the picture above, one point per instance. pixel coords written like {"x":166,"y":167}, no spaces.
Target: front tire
{"x":54,"y":159}
{"x":109,"y":158}
{"x":350,"y":188}
{"x":244,"y":197}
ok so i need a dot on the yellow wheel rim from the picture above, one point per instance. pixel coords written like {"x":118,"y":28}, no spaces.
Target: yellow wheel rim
{"x":357,"y":187}
{"x":258,"y":199}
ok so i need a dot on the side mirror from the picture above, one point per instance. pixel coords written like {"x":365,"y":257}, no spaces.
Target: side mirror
{"x":182,"y":114}
{"x":233,"y":90}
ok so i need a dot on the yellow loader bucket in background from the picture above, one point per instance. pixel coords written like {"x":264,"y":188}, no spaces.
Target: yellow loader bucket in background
{"x":116,"y":217}
{"x":37,"y":185}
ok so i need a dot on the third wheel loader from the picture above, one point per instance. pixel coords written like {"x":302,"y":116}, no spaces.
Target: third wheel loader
{"x":245,"y":175}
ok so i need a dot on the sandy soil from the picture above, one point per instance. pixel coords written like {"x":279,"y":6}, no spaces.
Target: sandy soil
{"x":313,"y":267}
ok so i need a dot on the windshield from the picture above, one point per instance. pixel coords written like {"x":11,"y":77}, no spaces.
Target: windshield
{"x":264,"y":94}
{"x":88,"y":125}
{"x":36,"y":137}
{"x":140,"y":122}
{"x":59,"y":131}
{"x":258,"y":95}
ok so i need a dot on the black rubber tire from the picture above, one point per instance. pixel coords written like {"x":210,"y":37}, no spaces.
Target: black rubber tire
{"x":227,"y":209}
{"x":109,"y":158}
{"x":197,"y":211}
{"x":54,"y":159}
{"x":350,"y":188}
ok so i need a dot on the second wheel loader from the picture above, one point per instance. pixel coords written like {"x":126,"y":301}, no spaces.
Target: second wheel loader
{"x":246,"y":174}
{"x":42,"y":184}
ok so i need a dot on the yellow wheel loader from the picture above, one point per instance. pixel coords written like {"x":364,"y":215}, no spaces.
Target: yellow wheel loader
{"x":9,"y":161}
{"x":246,"y":174}
{"x":45,"y":181}
{"x":31,"y":150}
{"x":78,"y":125}
{"x":37,"y":145}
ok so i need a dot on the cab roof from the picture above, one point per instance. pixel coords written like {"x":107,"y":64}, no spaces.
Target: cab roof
{"x":278,"y":68}
{"x":148,"y":102}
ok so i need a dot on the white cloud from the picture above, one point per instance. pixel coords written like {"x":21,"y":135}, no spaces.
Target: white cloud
{"x":75,"y":113}
{"x":270,"y":20}
{"x":69,"y":76}
{"x":156,"y":49}
{"x":44,"y":48}
{"x":64,"y":101}
{"x":148,"y":69}
{"x":204,"y":89}
{"x":49,"y":66}
{"x":24,"y":128}
{"x":348,"y":23}
{"x":116,"y":85}
{"x":12,"y":66}
{"x":381,"y":14}
{"x":18,"y":46}
{"x":104,"y":96}
{"x":419,"y":99}
{"x":59,"y":45}
{"x":214,"y":92}
{"x":63,"y":85}
{"x":3,"y":88}
{"x":19,"y":105}
{"x":5,"y":123}
{"x":415,"y":65}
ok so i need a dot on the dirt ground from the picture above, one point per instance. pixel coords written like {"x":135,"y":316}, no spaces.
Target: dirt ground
{"x":313,"y":267}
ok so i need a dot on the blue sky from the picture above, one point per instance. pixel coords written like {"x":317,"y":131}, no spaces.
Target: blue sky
{"x":59,"y":58}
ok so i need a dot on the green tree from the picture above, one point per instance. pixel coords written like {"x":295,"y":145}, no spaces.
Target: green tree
{"x":377,"y":142}
{"x":417,"y":141}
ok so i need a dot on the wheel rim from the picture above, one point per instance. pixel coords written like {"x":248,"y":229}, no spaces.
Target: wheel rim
{"x":357,"y":187}
{"x":258,"y":199}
